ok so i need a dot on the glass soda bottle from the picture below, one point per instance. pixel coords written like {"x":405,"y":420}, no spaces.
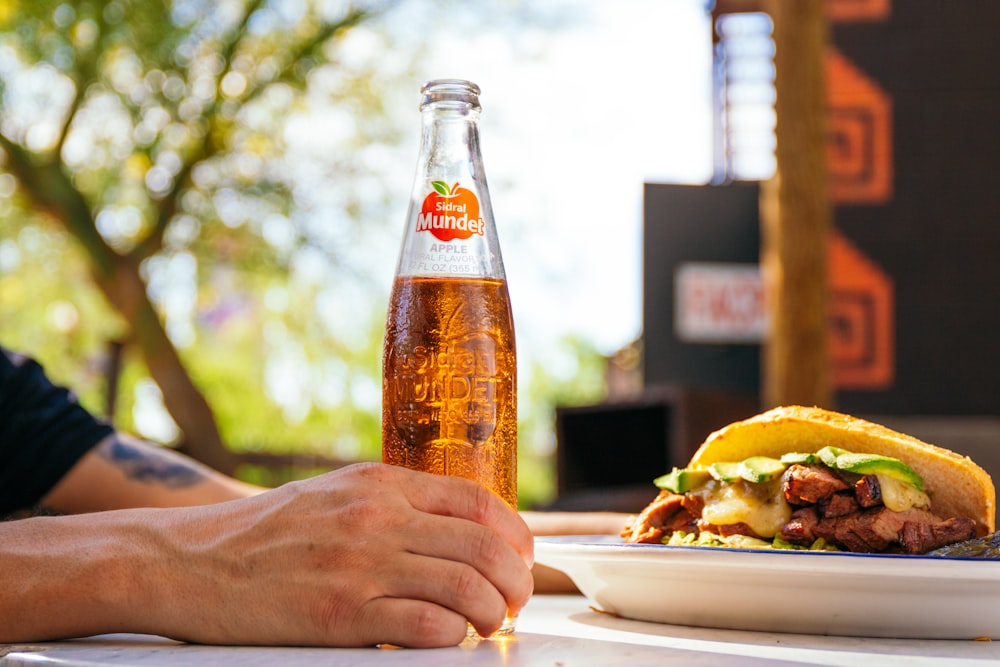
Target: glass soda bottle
{"x":449,"y":368}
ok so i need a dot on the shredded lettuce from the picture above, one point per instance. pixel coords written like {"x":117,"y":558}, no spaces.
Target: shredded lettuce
{"x":681,"y":538}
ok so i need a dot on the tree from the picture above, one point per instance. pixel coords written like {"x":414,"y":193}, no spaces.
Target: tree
{"x":218,"y":185}
{"x":151,"y":117}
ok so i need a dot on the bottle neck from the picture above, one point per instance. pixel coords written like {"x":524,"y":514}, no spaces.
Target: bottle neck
{"x":449,"y":149}
{"x":450,"y":230}
{"x":449,"y":146}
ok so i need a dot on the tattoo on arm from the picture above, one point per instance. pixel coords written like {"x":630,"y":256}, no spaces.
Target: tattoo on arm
{"x":149,"y":466}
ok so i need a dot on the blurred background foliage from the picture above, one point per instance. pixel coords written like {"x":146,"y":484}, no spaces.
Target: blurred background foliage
{"x":217,"y":188}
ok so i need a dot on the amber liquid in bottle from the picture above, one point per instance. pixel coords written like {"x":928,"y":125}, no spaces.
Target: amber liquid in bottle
{"x":449,"y":391}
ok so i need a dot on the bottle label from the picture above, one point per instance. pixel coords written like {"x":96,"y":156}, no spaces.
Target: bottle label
{"x":450,"y":212}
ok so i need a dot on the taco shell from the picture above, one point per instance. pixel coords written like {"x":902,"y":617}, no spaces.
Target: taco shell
{"x":956,"y":485}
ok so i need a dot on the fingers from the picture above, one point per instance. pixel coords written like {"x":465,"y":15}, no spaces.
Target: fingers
{"x":491,"y":538}
{"x":486,"y":553}
{"x":436,"y":553}
{"x":446,"y":590}
{"x":464,"y":499}
{"x":406,"y":622}
{"x":456,"y":586}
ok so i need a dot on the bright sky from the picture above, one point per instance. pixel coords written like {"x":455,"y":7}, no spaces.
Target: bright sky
{"x":577,"y":115}
{"x":568,"y":139}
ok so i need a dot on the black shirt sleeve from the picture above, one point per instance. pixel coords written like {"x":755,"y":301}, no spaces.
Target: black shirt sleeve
{"x":44,"y":431}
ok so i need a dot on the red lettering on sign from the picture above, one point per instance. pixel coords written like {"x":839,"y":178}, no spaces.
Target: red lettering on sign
{"x":719,"y":303}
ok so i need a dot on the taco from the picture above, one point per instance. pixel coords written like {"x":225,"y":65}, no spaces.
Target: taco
{"x":807,"y":478}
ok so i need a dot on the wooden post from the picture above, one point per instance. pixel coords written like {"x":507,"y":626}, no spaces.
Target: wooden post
{"x":795,"y":213}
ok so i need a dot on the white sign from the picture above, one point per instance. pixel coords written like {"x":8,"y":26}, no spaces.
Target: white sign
{"x":719,"y":303}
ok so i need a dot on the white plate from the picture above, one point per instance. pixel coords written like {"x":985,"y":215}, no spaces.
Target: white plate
{"x":783,"y":591}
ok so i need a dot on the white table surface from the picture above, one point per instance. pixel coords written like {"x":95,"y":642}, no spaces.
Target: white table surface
{"x":553,"y":631}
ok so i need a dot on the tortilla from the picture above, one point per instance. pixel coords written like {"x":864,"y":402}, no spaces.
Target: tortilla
{"x":957,"y":486}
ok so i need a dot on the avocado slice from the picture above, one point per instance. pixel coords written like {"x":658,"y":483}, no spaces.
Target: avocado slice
{"x":759,"y":469}
{"x":799,"y":457}
{"x":682,"y":480}
{"x":725,"y":471}
{"x":874,"y":464}
{"x":829,"y":454}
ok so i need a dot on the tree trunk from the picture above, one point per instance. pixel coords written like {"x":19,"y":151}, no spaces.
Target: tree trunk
{"x":795,"y":213}
{"x":126,"y":292}
{"x":117,"y":276}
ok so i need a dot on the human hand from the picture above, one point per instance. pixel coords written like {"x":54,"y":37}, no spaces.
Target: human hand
{"x":367,"y":554}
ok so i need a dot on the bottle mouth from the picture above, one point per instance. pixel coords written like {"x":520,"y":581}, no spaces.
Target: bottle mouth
{"x":453,"y":92}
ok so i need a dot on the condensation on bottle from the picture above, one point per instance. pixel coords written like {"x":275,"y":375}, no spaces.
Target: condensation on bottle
{"x":449,"y":365}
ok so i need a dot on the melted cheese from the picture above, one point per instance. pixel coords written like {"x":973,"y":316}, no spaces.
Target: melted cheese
{"x":760,"y":506}
{"x":899,"y":496}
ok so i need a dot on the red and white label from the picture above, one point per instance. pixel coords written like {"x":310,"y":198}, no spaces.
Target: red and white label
{"x":719,"y":303}
{"x":450,"y":212}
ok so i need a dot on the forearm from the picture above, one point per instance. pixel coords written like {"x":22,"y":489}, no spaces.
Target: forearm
{"x":71,"y":576}
{"x":123,"y":472}
{"x":148,"y":570}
